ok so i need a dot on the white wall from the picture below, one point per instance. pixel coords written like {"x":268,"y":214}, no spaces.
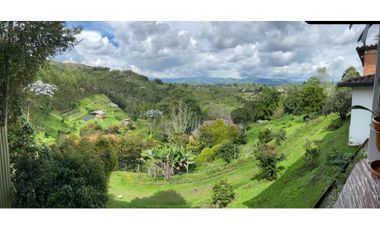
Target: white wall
{"x":360,"y":124}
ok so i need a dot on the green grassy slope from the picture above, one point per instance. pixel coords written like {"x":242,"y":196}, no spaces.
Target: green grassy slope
{"x":297,"y":186}
{"x":301,"y":186}
{"x":54,"y":123}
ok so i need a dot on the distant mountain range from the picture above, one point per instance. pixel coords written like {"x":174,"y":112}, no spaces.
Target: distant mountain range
{"x":222,"y":81}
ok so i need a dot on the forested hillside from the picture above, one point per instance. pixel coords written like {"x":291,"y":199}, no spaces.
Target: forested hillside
{"x":132,"y":93}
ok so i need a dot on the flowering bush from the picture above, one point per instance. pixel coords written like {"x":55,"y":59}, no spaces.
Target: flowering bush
{"x":40,"y":88}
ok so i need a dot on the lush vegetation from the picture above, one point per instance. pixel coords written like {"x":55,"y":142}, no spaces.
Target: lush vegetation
{"x":131,"y":189}
{"x":151,"y":144}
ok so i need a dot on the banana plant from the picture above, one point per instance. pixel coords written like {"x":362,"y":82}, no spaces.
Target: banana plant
{"x":176,"y":157}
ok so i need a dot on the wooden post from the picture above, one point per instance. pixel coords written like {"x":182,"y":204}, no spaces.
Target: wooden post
{"x":373,"y":154}
{"x":5,"y":179}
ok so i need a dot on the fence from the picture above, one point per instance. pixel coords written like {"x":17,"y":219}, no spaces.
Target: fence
{"x":5,"y":182}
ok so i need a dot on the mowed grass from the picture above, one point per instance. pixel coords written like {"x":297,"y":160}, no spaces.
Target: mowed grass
{"x":297,"y":186}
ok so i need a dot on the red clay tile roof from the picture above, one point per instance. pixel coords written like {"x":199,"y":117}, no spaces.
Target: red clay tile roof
{"x":361,"y":81}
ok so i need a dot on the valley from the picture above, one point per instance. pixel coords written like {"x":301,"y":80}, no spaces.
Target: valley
{"x":98,"y":105}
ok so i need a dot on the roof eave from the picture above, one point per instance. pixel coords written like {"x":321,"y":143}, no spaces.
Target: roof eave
{"x":350,"y":84}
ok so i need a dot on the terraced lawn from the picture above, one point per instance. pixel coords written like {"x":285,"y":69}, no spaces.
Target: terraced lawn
{"x":54,"y":123}
{"x":297,"y":186}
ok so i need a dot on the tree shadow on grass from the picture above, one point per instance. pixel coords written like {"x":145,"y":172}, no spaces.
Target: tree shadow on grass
{"x":162,"y":199}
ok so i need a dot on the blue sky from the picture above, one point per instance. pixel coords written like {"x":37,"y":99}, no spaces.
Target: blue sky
{"x":292,"y":50}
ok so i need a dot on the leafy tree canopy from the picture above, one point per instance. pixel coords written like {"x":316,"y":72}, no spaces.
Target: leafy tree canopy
{"x":350,"y":73}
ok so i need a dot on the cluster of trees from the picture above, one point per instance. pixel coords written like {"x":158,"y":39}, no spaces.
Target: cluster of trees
{"x":24,"y":48}
{"x":261,"y":108}
{"x":70,"y":174}
{"x":183,"y":152}
{"x":163,"y":158}
{"x":313,"y":97}
{"x":309,"y":98}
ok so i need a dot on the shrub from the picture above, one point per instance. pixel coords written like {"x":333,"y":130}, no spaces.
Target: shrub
{"x":194,"y":145}
{"x":228,"y":151}
{"x":119,"y":117}
{"x":90,"y":129}
{"x":104,"y":148}
{"x":336,"y":159}
{"x":178,"y":139}
{"x":205,"y":156}
{"x":280,"y":136}
{"x":265,"y":136}
{"x":114,"y":129}
{"x":311,"y":152}
{"x":335,"y":124}
{"x":72,"y":179}
{"x":222,"y":194}
{"x":218,"y":132}
{"x":128,"y":150}
{"x":67,"y":176}
{"x":268,"y":158}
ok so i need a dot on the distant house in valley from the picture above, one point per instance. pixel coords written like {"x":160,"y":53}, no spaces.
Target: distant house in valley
{"x":98,"y":113}
{"x":226,"y":121}
{"x":362,"y":94}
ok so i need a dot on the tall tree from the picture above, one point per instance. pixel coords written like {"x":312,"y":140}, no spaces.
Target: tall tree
{"x":323,"y":75}
{"x":325,"y":80}
{"x":24,"y":48}
{"x":313,"y":96}
{"x":350,"y":73}
{"x":182,"y":119}
{"x":340,"y":103}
